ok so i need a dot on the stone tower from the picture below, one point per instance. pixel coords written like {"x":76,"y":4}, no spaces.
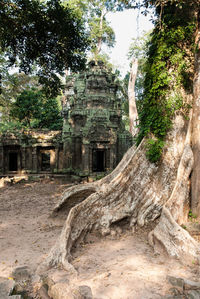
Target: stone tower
{"x":93,"y":139}
{"x":94,"y":136}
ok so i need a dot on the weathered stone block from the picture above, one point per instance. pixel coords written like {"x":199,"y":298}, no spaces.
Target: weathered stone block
{"x":193,"y":294}
{"x":188,"y":285}
{"x":176,"y":282}
{"x":6,"y":287}
{"x":21,"y":273}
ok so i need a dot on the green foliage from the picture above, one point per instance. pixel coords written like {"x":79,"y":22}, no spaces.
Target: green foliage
{"x":50,"y":116}
{"x":138,"y":49}
{"x":105,"y":59}
{"x":146,"y":5}
{"x":168,"y":71}
{"x":139,"y":46}
{"x":154,"y":149}
{"x":94,"y":13}
{"x":11,"y":126}
{"x":191,"y":216}
{"x":32,"y":109}
{"x":100,"y":34}
{"x":12,"y":84}
{"x":44,"y":37}
{"x":100,"y":176}
{"x":184,"y":226}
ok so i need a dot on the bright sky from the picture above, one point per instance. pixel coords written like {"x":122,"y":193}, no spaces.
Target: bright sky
{"x":125,"y":27}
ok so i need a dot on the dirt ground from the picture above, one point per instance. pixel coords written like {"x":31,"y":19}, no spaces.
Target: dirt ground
{"x":123,"y":266}
{"x":26,"y":232}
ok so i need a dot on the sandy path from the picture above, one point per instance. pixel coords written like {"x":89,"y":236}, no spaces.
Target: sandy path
{"x":26,"y":233}
{"x":118,"y":267}
{"x":127,"y":268}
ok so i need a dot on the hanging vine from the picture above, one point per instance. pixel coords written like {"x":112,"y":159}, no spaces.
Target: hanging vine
{"x":169,"y":71}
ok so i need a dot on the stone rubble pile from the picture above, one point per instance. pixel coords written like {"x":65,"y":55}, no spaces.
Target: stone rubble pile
{"x":182,"y":289}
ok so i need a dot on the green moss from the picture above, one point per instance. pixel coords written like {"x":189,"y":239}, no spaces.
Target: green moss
{"x":154,"y":149}
{"x":168,"y":71}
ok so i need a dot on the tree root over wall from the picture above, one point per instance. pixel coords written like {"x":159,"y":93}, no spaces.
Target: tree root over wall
{"x":140,"y":192}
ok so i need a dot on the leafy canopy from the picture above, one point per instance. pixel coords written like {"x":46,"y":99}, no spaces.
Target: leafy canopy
{"x":34,"y":110}
{"x":148,"y":4}
{"x":94,"y":13}
{"x":12,"y":84}
{"x":42,"y":37}
{"x":138,"y":49}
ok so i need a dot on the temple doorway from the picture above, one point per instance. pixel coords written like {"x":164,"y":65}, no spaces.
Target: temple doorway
{"x":45,"y":165}
{"x":98,"y":160}
{"x":13,"y":161}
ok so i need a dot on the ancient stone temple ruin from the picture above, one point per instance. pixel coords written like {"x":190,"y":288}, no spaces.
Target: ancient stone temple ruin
{"x":31,"y":152}
{"x":93,"y":139}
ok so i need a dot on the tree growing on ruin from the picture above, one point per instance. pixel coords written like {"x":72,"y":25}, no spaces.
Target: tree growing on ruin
{"x":151,"y":185}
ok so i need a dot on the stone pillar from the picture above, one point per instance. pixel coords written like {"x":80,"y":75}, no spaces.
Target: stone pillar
{"x":90,"y":159}
{"x":85,"y":158}
{"x":23,"y":158}
{"x":107,"y":159}
{"x":60,"y":159}
{"x":77,"y":157}
{"x":1,"y":160}
{"x":112,"y":156}
{"x":52,"y":160}
{"x":34,"y":160}
{"x":67,"y":153}
{"x":56,"y":159}
{"x":29,"y":159}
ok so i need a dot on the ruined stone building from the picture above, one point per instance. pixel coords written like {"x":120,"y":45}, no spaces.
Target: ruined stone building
{"x":93,"y":138}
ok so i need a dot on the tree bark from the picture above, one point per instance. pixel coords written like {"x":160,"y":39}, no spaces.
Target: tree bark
{"x":133,"y":115}
{"x":140,"y":192}
{"x":168,"y":234}
{"x":100,"y":38}
{"x":99,"y":44}
{"x":195,"y":187}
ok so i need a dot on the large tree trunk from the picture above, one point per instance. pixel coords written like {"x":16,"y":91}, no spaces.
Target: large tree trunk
{"x":168,"y":234}
{"x":196,"y":133}
{"x":133,"y":114}
{"x":100,"y":38}
{"x":140,"y":192}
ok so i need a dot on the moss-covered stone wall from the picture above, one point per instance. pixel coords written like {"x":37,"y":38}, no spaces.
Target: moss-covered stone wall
{"x":93,"y":138}
{"x":94,"y":135}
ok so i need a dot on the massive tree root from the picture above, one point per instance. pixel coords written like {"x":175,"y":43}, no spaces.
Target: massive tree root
{"x":76,"y":194}
{"x":168,"y":234}
{"x":140,"y":192}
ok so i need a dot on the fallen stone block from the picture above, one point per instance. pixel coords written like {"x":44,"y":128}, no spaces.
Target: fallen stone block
{"x":176,"y":282}
{"x":86,"y":292}
{"x":193,"y":294}
{"x":6,"y":287}
{"x":21,"y":273}
{"x":191,"y":285}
